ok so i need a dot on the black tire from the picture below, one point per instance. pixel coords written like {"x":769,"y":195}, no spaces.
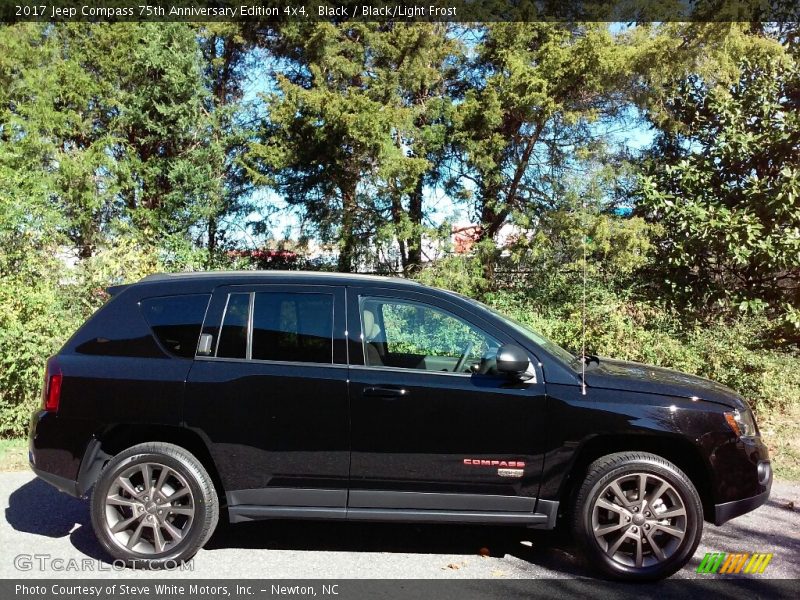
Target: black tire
{"x":183,"y":473}
{"x":626,"y":520}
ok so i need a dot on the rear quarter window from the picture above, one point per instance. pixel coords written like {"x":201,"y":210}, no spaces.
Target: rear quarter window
{"x":176,"y":321}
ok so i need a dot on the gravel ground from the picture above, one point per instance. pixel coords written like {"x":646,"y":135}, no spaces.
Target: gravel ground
{"x":42,"y":521}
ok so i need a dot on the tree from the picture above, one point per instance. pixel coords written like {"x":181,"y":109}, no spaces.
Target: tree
{"x":160,"y":123}
{"x":415,"y":68}
{"x":131,"y":127}
{"x":226,"y":49}
{"x":723,"y":180}
{"x":529,"y":97}
{"x":338,"y":127}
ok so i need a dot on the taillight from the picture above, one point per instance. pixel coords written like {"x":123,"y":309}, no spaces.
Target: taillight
{"x":52,"y":386}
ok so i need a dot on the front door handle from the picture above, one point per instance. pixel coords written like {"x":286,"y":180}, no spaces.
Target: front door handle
{"x":385,"y":392}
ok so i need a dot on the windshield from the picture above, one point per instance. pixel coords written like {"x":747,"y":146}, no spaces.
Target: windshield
{"x":549,"y":345}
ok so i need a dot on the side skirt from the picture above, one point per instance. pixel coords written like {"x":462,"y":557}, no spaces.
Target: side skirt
{"x":544,"y":518}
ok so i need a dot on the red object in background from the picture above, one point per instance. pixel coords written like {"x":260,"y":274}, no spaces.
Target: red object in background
{"x":464,"y":237}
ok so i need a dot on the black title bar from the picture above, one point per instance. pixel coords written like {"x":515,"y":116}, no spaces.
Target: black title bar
{"x":276,"y":11}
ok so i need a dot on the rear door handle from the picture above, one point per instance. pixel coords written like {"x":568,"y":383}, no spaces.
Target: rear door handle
{"x":385,"y":392}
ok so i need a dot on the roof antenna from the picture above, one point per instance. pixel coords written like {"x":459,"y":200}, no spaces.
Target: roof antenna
{"x":583,"y":305}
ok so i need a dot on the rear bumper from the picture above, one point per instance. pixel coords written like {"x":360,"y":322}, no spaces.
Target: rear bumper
{"x":63,"y":452}
{"x":61,"y":483}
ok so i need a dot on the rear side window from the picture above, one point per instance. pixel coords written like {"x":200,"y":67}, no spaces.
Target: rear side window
{"x":279,"y":326}
{"x":176,"y":321}
{"x":293,"y":327}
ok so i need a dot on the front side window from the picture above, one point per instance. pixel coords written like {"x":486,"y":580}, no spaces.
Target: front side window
{"x":412,"y":335}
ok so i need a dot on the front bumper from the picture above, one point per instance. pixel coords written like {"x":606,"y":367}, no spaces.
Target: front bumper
{"x":730,"y":510}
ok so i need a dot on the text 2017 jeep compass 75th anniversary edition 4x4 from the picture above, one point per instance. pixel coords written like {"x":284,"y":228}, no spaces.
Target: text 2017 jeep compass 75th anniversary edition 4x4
{"x":309,"y":395}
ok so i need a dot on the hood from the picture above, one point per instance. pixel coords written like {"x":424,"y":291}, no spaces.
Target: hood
{"x":637,"y":377}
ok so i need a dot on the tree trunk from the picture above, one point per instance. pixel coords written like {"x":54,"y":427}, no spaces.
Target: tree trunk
{"x":212,"y":240}
{"x":85,"y":250}
{"x":397,"y":219}
{"x":347,"y":237}
{"x":491,"y":222}
{"x":414,"y":259}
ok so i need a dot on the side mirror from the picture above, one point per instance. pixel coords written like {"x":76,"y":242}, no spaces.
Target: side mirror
{"x":512,"y":361}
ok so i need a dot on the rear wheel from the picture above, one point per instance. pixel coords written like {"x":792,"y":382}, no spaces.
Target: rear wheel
{"x":154,"y":505}
{"x":637,"y":516}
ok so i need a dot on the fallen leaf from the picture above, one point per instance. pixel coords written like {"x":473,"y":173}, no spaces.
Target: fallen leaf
{"x":453,"y":566}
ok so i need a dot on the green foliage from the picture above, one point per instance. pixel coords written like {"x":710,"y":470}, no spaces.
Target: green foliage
{"x":355,"y":124}
{"x":107,"y":167}
{"x":34,"y":322}
{"x":462,"y":274}
{"x":112,"y":126}
{"x":626,"y":329}
{"x":533,"y":90}
{"x":724,"y":184}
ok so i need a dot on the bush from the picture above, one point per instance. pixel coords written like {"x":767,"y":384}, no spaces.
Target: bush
{"x":42,"y":303}
{"x":637,"y":331}
{"x":34,"y":322}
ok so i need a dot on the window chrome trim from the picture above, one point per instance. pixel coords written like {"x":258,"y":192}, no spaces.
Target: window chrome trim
{"x":257,"y":361}
{"x":532,"y":380}
{"x":221,"y":325}
{"x":250,"y":310}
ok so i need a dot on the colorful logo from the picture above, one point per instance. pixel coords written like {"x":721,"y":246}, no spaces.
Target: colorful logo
{"x":730,"y":564}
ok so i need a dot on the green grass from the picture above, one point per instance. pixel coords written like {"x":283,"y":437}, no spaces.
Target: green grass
{"x":13,"y":454}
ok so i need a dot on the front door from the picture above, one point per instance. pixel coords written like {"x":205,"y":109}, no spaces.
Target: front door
{"x":270,"y":399}
{"x":433,"y":426}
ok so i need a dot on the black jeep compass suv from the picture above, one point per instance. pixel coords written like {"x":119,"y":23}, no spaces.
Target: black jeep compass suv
{"x":276,"y":395}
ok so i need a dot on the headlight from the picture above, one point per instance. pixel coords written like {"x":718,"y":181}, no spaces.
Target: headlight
{"x":742,"y":423}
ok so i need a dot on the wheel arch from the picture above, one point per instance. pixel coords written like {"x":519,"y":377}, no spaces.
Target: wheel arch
{"x":120,"y":437}
{"x":678,"y":450}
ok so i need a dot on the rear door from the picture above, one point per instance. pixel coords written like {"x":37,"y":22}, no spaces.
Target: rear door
{"x":432,"y":427}
{"x":270,"y":399}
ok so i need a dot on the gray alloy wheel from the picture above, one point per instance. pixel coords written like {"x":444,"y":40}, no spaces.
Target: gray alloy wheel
{"x":639,"y":520}
{"x":154,"y":505}
{"x":637,"y":516}
{"x":149,"y":508}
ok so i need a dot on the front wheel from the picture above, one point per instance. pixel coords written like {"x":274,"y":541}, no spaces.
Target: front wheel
{"x":637,"y":516}
{"x":154,"y":505}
